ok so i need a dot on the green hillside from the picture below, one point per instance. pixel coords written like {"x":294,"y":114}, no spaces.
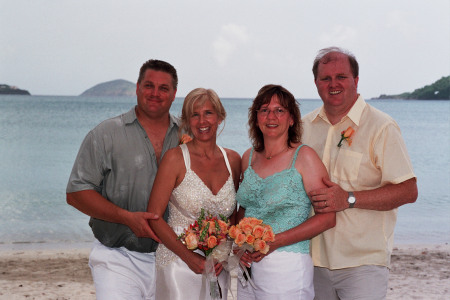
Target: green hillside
{"x":439,"y":90}
{"x":12,"y":90}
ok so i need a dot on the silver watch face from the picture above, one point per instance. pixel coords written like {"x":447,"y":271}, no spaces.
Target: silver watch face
{"x":351,"y":198}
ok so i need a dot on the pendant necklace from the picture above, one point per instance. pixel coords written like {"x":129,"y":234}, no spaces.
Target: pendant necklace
{"x":271,"y":156}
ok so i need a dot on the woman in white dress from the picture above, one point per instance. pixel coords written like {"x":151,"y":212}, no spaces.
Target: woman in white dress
{"x":198,"y":174}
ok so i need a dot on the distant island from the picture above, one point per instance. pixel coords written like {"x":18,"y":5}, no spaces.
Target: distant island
{"x":114,"y":88}
{"x":12,"y":90}
{"x":439,"y":90}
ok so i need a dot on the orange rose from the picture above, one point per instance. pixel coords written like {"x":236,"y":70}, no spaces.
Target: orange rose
{"x":212,"y":242}
{"x":185,"y":138}
{"x":268,"y":235}
{"x":258,"y":231}
{"x":223,"y":226}
{"x":240,"y":239}
{"x":234,"y":231}
{"x":212,"y":227}
{"x":246,"y":228}
{"x":254,"y":221}
{"x":347,"y":135}
{"x":191,"y":241}
{"x":250,"y":239}
{"x":259,"y":245}
{"x":242,"y":222}
{"x":265,"y":250}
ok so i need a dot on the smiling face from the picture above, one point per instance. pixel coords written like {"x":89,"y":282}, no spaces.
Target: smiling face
{"x":335,"y":83}
{"x":155,"y":94}
{"x":272,"y":124}
{"x":204,"y":121}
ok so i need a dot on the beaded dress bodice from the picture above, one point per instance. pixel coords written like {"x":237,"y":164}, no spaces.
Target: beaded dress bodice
{"x":280,"y":200}
{"x":189,"y":198}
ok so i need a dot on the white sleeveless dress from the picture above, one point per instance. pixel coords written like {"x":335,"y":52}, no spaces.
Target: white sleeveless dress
{"x":174,"y":279}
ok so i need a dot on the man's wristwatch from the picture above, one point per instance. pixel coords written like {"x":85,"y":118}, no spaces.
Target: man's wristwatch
{"x":351,"y":199}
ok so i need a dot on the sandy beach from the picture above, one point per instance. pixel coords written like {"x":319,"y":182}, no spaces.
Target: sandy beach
{"x":418,"y":272}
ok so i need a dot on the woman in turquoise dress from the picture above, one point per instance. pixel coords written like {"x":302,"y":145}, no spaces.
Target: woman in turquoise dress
{"x":278,"y":171}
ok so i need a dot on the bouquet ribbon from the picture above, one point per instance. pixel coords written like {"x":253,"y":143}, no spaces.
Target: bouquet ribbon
{"x":219,"y":254}
{"x":234,"y":264}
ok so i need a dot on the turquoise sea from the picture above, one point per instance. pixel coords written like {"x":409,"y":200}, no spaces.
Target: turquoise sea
{"x":40,"y":137}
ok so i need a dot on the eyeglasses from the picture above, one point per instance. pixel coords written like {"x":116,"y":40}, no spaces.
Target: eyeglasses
{"x":278,"y":112}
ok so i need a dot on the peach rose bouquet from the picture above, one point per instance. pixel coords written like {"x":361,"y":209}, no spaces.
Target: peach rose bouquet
{"x":252,"y":232}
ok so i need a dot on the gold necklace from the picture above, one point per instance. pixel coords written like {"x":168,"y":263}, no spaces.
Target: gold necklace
{"x":271,"y":156}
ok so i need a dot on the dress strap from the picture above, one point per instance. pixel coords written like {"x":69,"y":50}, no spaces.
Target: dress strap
{"x":295,"y":155}
{"x":226,"y":159}
{"x":186,"y":156}
{"x":250,"y":157}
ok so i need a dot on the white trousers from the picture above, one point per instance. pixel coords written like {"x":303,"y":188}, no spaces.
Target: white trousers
{"x":119,"y":273}
{"x":280,"y":276}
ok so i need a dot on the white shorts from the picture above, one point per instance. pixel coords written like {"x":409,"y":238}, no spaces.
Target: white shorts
{"x":119,"y":273}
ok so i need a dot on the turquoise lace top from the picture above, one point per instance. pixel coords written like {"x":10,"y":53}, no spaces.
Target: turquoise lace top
{"x":279,"y":200}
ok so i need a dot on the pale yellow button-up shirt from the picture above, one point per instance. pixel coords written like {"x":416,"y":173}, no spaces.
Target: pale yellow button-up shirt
{"x":376,"y":157}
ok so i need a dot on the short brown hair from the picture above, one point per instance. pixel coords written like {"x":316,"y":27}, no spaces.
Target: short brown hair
{"x":286,"y":100}
{"x":159,"y":65}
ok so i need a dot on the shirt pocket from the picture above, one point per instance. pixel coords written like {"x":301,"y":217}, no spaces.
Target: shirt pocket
{"x":347,"y":165}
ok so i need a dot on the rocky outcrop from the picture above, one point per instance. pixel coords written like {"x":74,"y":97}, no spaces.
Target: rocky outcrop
{"x":114,"y":88}
{"x":12,"y":90}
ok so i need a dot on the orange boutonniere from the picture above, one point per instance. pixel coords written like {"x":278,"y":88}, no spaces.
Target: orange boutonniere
{"x":185,"y":138}
{"x":346,"y":135}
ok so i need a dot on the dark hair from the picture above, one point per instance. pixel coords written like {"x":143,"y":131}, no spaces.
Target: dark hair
{"x":286,"y":100}
{"x":326,"y":55}
{"x":159,"y":65}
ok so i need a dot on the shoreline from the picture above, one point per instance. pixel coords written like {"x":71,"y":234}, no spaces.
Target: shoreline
{"x":61,"y":271}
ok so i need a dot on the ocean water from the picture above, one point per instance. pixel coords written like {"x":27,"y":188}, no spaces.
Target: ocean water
{"x":40,"y":137}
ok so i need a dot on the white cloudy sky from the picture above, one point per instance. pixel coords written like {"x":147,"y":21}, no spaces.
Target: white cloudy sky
{"x":63,"y":47}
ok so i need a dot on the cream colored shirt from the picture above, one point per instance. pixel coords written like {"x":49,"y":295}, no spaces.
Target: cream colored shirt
{"x":376,"y":157}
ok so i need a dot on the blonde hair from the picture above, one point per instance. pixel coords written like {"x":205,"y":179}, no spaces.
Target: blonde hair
{"x":199,"y":96}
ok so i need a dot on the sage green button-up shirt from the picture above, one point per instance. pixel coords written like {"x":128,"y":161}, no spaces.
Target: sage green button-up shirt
{"x":117,"y":160}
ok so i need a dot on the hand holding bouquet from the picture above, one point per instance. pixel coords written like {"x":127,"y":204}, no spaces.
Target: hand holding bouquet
{"x":250,"y":234}
{"x":209,"y":234}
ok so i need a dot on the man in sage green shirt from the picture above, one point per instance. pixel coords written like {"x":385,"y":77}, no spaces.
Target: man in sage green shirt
{"x":111,"y":182}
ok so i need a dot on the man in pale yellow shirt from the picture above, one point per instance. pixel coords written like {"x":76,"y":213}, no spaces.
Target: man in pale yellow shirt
{"x":371,"y":176}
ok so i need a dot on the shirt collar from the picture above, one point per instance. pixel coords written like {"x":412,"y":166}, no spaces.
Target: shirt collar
{"x":130,"y":116}
{"x":354,"y":114}
{"x":356,"y":111}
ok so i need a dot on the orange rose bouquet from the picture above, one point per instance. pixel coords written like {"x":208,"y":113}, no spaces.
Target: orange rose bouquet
{"x":209,"y":234}
{"x":206,"y":233}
